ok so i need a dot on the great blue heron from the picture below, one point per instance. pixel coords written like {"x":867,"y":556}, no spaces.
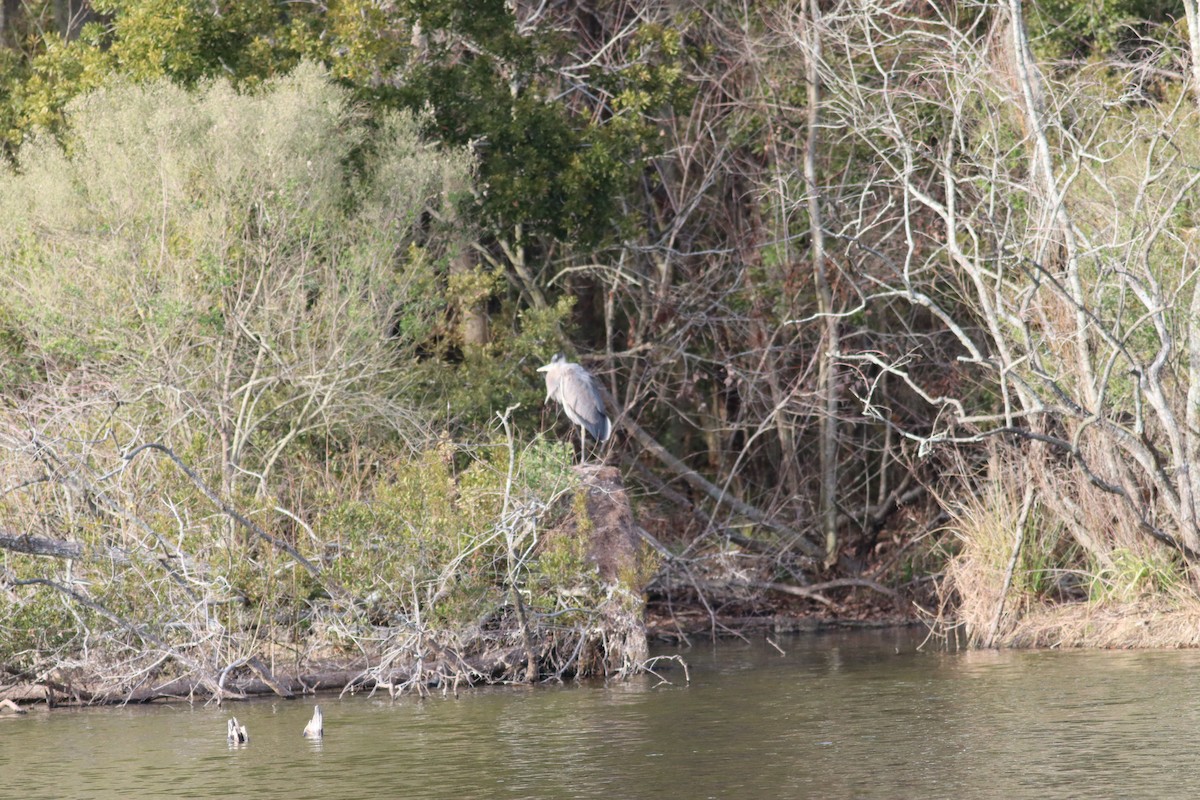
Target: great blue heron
{"x":576,"y":391}
{"x":236,"y":733}
{"x":315,"y":728}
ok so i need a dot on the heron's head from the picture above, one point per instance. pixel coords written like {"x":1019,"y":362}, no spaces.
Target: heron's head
{"x":559,"y":358}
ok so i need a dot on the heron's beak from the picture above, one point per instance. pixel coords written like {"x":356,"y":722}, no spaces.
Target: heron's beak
{"x":544,"y":369}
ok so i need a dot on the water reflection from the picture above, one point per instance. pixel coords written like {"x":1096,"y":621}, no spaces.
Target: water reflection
{"x":845,"y":716}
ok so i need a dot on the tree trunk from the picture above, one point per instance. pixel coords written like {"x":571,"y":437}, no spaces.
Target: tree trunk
{"x":8,"y":21}
{"x":1193,"y":23}
{"x":474,"y":328}
{"x":828,"y":376}
{"x":614,"y":545}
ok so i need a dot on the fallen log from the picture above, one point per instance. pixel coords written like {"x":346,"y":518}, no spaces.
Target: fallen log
{"x":9,"y":705}
{"x":85,"y":690}
{"x":264,"y":674}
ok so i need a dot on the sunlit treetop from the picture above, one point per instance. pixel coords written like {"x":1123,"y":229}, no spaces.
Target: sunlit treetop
{"x":555,"y":153}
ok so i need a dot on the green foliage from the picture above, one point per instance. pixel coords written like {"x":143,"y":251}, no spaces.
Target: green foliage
{"x":563,"y":572}
{"x":17,"y":366}
{"x":230,"y":243}
{"x":1073,"y":29}
{"x":485,"y":382}
{"x":392,"y":544}
{"x":554,"y":169}
{"x":1045,"y":553}
{"x":552,"y":165}
{"x":424,"y":543}
{"x":191,"y":40}
{"x":41,"y":622}
{"x":1132,"y":574}
{"x":13,"y":74}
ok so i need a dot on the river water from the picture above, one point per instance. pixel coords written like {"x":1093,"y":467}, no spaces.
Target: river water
{"x":849,"y":715}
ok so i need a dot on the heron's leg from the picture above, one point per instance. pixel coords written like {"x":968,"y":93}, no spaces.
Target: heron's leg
{"x":582,"y":445}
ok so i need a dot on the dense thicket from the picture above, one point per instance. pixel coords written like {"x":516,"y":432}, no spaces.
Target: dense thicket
{"x":217,"y":445}
{"x":848,"y":269}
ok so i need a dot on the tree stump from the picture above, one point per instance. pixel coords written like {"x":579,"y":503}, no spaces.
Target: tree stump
{"x":613,"y":544}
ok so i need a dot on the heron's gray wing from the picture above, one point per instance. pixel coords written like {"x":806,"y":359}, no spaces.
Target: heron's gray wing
{"x":583,"y":403}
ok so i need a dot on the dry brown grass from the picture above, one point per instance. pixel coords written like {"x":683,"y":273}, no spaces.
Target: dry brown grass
{"x":1152,"y":622}
{"x":984,"y":528}
{"x":1115,"y":591}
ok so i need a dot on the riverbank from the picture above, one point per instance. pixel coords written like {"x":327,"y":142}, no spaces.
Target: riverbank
{"x":577,"y":587}
{"x":1144,"y":624}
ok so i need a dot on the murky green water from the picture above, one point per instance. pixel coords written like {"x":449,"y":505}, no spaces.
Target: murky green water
{"x":841,"y":716}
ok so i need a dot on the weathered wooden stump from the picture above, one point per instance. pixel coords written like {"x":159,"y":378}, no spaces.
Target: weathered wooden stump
{"x":613,"y":544}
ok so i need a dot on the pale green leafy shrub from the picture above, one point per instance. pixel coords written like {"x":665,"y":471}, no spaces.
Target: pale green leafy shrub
{"x":427,"y":541}
{"x":245,"y":264}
